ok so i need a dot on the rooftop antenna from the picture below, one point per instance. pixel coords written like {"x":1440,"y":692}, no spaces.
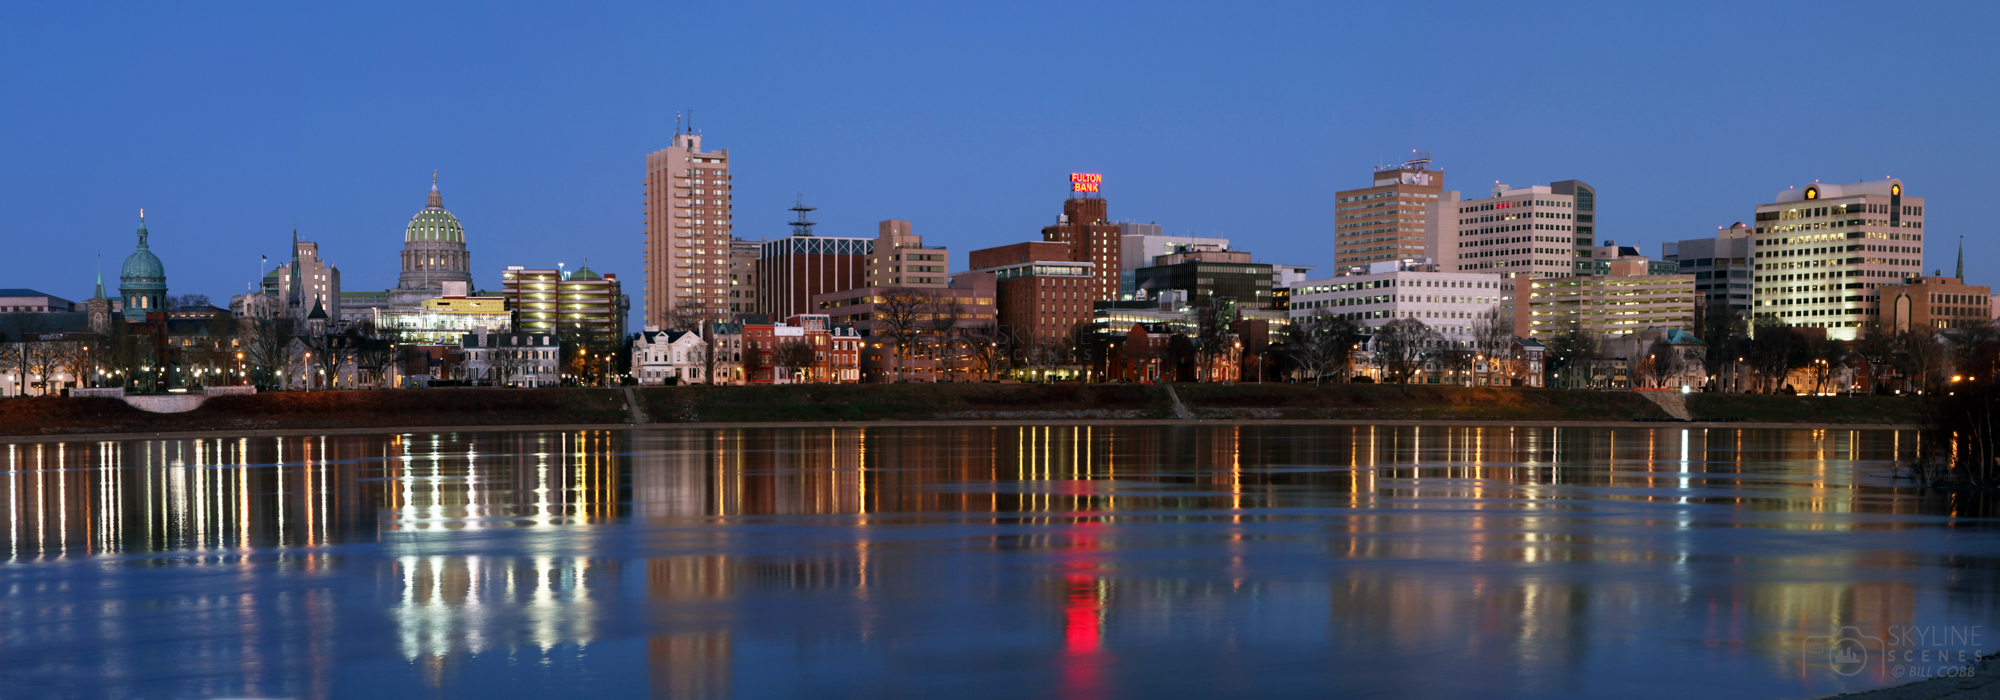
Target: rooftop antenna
{"x":677,"y":122}
{"x":802,"y":227}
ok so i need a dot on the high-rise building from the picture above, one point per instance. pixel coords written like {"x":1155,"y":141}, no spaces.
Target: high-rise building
{"x":1091,"y":237}
{"x":1722,"y":267}
{"x":1823,"y":251}
{"x":688,"y":204}
{"x":1519,"y":232}
{"x":792,"y":269}
{"x":901,"y":260}
{"x":1395,"y":218}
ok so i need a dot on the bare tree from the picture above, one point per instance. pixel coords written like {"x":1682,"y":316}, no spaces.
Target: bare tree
{"x":1324,"y":343}
{"x":982,"y":345}
{"x":794,"y":355}
{"x":947,"y":311}
{"x":1454,"y":359}
{"x":1402,"y":346}
{"x":753,"y":361}
{"x":901,"y":316}
{"x":1571,"y":350}
{"x":1493,"y":341}
{"x":1211,"y":336}
{"x":188,"y":301}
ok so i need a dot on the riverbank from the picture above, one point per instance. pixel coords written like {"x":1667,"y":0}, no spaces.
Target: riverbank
{"x":970,"y":404}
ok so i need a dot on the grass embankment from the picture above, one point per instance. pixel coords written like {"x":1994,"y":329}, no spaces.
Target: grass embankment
{"x":1411,"y":402}
{"x":318,"y":410}
{"x":1774,"y":408}
{"x":907,"y":402}
{"x":921,"y":402}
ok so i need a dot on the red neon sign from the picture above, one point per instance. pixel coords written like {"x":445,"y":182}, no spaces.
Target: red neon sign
{"x":1085,"y":182}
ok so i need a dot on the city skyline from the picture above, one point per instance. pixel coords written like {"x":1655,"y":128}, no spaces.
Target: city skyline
{"x":223,"y":172}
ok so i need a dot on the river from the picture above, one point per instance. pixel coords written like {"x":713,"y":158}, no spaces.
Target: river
{"x":1077,"y":562}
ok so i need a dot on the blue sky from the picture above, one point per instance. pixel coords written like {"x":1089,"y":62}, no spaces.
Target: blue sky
{"x":227,"y":123}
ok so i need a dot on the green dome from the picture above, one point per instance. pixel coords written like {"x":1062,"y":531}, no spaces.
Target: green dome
{"x":585,"y":273}
{"x":143,"y":269}
{"x":434,"y":223}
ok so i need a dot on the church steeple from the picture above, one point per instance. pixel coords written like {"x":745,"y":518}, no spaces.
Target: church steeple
{"x":1960,"y":273}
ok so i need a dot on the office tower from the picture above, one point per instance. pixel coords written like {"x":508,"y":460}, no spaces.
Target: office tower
{"x":688,"y":204}
{"x":792,"y":269}
{"x":1208,"y":274}
{"x":1138,"y":244}
{"x":1519,"y":232}
{"x":1395,"y":218}
{"x":1824,"y":250}
{"x":1722,"y":267}
{"x":1585,"y":198}
{"x":1090,"y":235}
{"x":901,"y":260}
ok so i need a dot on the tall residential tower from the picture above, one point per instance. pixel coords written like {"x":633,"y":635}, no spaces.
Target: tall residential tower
{"x":688,"y":204}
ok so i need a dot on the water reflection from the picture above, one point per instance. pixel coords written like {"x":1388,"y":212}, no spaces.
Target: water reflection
{"x":1073,"y":561}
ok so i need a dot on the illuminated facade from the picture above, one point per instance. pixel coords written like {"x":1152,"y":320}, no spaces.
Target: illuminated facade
{"x":1450,"y":302}
{"x":688,"y":205}
{"x":1089,"y":236}
{"x":1936,"y":303}
{"x":900,"y":259}
{"x":1824,"y":251}
{"x":1624,"y":301}
{"x":1538,"y":231}
{"x":1396,"y":217}
{"x":582,"y":304}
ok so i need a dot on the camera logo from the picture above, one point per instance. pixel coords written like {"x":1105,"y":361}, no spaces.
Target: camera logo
{"x":1847,"y":651}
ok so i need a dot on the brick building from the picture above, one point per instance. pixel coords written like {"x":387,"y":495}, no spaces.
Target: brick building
{"x":1934,"y":302}
{"x":1042,"y":295}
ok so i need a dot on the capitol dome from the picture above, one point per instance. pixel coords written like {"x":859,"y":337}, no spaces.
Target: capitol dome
{"x":434,"y":223}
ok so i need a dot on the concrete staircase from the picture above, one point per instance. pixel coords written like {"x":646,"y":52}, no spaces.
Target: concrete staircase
{"x":1670,"y":400}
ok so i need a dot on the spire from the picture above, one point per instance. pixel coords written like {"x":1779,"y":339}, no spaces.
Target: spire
{"x":437,"y":200}
{"x":100,"y":277}
{"x":1961,"y":260}
{"x":295,"y":292}
{"x":142,"y":229}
